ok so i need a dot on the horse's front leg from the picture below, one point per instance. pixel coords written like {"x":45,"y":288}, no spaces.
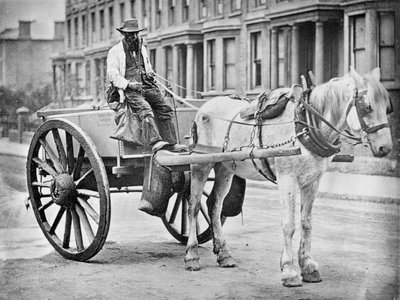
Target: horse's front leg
{"x":222,"y":184}
{"x":199,"y":175}
{"x":289,"y":276}
{"x":309,"y":268}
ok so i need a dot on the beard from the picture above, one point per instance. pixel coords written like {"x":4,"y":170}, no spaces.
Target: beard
{"x":132,"y":41}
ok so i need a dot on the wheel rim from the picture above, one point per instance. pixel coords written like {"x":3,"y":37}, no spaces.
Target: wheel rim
{"x":69,"y":189}
{"x":176,"y":217}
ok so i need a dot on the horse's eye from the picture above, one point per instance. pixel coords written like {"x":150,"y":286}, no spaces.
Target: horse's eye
{"x":389,"y":109}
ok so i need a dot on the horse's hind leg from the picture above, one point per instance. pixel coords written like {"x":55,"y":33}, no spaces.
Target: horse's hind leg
{"x":199,"y":175}
{"x":289,"y":275}
{"x":309,"y":268}
{"x":223,"y":181}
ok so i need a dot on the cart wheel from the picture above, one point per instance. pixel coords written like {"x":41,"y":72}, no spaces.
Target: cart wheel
{"x":68,"y":188}
{"x":176,"y":217}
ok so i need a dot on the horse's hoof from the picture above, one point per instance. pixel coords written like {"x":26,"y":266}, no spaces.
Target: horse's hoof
{"x":227,"y":262}
{"x":312,"y":277}
{"x":292,"y":281}
{"x":192,"y":265}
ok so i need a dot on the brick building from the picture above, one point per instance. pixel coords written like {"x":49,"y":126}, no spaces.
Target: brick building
{"x":210,"y":48}
{"x":25,"y":59}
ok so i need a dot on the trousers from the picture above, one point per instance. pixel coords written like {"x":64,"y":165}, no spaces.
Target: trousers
{"x":155,"y":114}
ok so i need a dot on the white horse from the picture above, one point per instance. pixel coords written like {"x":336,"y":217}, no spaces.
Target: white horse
{"x":335,"y":101}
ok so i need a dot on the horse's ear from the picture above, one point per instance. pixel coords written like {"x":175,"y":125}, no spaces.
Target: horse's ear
{"x":376,"y":73}
{"x":357,"y":77}
{"x":296,"y":91}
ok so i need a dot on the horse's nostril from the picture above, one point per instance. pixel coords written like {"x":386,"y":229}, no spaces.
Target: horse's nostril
{"x":383,"y":151}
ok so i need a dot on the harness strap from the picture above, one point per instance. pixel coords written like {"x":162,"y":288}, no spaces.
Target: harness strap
{"x":269,"y":175}
{"x":312,"y":110}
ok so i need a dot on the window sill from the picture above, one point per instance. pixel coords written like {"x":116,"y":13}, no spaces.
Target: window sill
{"x":235,"y":14}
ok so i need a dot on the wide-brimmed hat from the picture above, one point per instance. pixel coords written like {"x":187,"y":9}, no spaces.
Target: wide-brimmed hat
{"x":129,"y":25}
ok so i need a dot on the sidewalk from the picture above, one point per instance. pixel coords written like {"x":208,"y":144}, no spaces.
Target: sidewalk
{"x":383,"y":189}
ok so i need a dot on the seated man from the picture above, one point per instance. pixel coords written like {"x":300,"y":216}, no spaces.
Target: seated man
{"x":129,"y":69}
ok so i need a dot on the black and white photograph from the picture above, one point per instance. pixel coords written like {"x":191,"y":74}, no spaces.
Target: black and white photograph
{"x":209,"y":149}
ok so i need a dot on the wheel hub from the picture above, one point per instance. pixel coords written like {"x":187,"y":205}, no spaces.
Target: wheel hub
{"x":63,"y":190}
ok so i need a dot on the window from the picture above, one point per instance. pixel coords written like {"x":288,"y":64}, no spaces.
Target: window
{"x":259,"y":3}
{"x":111,"y":20}
{"x":357,"y":36}
{"x":76,"y":32}
{"x":144,"y":14}
{"x":122,"y":12}
{"x":153,"y":57}
{"x":218,"y":7}
{"x":202,"y":9}
{"x":171,"y":12}
{"x":158,"y":13}
{"x":386,"y":45}
{"x":255,"y":44}
{"x":133,"y":8}
{"x":211,"y":64}
{"x":84,"y":31}
{"x":185,"y":10}
{"x":235,"y":5}
{"x":93,"y":21}
{"x":87,"y":83}
{"x":102,"y":25}
{"x":79,"y":78}
{"x":169,"y":64}
{"x":69,"y":33}
{"x":229,"y":63}
{"x":281,"y":58}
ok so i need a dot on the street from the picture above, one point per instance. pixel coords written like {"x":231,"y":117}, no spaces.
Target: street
{"x":356,"y":244}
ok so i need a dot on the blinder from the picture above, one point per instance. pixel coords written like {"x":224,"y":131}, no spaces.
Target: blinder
{"x":364,"y":107}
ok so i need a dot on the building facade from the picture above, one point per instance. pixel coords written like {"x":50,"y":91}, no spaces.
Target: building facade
{"x":207,"y":48}
{"x":25,"y":60}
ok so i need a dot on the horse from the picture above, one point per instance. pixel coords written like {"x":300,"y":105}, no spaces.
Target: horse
{"x":353,"y":102}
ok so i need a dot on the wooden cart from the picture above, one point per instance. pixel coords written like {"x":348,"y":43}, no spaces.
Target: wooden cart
{"x":73,"y":167}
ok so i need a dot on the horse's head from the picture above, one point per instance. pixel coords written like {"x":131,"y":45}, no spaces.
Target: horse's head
{"x":368,"y":113}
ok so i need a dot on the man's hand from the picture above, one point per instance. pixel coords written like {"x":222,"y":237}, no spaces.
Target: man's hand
{"x":151,"y":76}
{"x":134,"y":85}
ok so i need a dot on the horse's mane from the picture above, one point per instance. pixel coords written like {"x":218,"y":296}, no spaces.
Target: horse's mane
{"x":331,"y":95}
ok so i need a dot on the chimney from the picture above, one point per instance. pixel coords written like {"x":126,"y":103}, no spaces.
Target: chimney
{"x":58,"y":30}
{"x":24,"y":29}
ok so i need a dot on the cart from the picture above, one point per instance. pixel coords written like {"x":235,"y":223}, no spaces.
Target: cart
{"x":73,"y":167}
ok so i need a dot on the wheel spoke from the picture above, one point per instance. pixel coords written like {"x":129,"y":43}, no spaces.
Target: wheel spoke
{"x":184,"y":218}
{"x":90,"y":193}
{"x":45,"y":206}
{"x":57,"y":220}
{"x":45,"y":166}
{"x":77,"y":230}
{"x":41,"y":184}
{"x":175,"y":209}
{"x":70,"y":152}
{"x":85,"y":222}
{"x":79,"y":162}
{"x":84,"y":176}
{"x":51,"y":155}
{"x":203,"y":210}
{"x":60,"y":148}
{"x":89,"y":209}
{"x":67,"y":231}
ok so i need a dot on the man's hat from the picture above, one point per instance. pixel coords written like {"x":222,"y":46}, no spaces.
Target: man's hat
{"x":129,"y":25}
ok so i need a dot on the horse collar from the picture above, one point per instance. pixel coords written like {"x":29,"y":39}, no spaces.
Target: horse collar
{"x":307,"y":128}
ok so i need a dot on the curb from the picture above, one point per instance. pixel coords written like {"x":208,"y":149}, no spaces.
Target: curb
{"x":330,"y":195}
